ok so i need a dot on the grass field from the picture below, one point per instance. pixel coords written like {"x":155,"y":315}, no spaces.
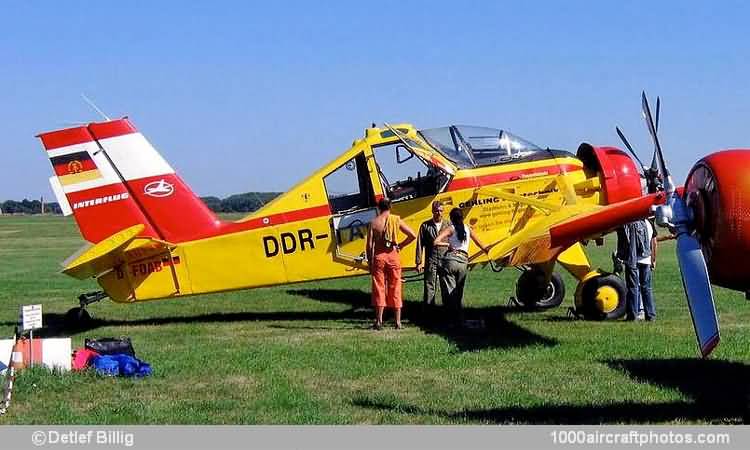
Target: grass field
{"x":302,"y":354}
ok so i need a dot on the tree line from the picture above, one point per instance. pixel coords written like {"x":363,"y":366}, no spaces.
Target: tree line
{"x":247,"y":202}
{"x":26,"y":206}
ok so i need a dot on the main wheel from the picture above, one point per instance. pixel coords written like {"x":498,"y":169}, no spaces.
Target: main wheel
{"x":601,"y":298}
{"x":533,"y":293}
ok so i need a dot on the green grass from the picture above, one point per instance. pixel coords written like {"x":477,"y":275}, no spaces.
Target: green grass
{"x":302,"y":354}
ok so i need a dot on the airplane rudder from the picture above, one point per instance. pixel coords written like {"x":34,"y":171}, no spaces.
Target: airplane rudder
{"x":175,"y":211}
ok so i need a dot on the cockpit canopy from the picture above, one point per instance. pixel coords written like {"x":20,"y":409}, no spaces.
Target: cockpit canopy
{"x":469,"y":146}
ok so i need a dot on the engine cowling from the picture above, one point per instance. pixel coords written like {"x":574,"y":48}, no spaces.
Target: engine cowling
{"x":717,"y":192}
{"x":619,"y":176}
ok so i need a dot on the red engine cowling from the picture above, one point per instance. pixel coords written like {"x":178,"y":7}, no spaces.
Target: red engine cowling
{"x":620,"y":178}
{"x":717,"y":192}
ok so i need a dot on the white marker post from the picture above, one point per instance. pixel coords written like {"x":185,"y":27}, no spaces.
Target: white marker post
{"x":31,"y":318}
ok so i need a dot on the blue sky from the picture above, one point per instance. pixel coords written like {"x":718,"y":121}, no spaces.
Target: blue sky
{"x":245,"y":96}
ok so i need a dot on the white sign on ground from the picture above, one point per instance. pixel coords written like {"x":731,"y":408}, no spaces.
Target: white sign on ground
{"x":55,"y":353}
{"x":31,"y":317}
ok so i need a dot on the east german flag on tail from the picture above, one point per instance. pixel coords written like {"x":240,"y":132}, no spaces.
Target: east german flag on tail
{"x":74,"y":168}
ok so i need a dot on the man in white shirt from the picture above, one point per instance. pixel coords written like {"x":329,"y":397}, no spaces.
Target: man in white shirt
{"x":645,"y":266}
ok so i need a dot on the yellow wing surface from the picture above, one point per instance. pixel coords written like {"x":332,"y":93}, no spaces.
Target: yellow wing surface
{"x":562,"y":226}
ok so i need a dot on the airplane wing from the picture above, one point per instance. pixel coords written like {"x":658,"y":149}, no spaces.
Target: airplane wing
{"x":550,"y":235}
{"x":93,"y":260}
{"x":601,"y":219}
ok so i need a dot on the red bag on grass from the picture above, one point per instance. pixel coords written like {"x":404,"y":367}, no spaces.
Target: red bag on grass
{"x":82,"y":358}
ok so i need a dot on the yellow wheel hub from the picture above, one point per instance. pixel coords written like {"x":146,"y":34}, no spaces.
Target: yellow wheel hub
{"x":606,"y":299}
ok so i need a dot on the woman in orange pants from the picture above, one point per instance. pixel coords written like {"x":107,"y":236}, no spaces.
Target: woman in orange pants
{"x":385,"y":262}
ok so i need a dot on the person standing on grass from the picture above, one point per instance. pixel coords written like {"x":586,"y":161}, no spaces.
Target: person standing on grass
{"x":428,"y":231}
{"x":455,"y":263}
{"x":385,"y":262}
{"x":634,"y":245}
{"x":646,"y":265}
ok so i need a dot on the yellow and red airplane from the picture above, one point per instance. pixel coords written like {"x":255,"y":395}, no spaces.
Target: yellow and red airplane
{"x":152,"y":238}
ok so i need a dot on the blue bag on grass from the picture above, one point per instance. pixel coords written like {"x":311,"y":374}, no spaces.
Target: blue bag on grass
{"x":120,"y":364}
{"x":104,"y":365}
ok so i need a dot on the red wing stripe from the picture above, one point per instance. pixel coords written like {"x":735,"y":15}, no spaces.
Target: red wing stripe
{"x":64,"y":138}
{"x":495,"y":178}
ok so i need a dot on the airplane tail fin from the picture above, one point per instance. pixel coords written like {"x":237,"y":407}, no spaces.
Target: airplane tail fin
{"x":110,"y":178}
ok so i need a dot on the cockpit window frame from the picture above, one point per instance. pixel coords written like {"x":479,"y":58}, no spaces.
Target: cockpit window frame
{"x":469,"y":156}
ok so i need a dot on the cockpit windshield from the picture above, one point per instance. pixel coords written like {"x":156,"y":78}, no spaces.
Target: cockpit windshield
{"x":469,"y":146}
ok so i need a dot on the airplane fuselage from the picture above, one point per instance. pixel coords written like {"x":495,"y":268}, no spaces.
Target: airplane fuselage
{"x":308,"y":233}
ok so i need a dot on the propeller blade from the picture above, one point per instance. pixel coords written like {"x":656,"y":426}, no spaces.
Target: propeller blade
{"x":698,"y":291}
{"x":654,"y":162}
{"x":627,"y":144}
{"x":652,"y":131}
{"x":658,"y":107}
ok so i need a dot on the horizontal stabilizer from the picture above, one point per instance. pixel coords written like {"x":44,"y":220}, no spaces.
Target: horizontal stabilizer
{"x":107,"y":254}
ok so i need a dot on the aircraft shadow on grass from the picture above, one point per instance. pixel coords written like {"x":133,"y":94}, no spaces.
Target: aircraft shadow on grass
{"x":55,"y":325}
{"x":495,"y":330}
{"x":718,"y":393}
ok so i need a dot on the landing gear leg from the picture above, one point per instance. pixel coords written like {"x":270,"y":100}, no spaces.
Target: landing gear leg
{"x":78,"y":316}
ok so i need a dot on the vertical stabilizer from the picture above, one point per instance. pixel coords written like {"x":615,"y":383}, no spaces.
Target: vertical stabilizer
{"x":113,"y":178}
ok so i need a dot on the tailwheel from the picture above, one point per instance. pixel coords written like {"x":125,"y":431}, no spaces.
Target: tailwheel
{"x":601,"y":298}
{"x":78,"y":317}
{"x":533,"y":293}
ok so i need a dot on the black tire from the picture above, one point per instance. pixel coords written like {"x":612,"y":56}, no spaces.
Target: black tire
{"x":531,"y":292}
{"x":77,"y":318}
{"x":590,"y":308}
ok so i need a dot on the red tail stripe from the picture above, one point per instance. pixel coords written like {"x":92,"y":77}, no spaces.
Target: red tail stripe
{"x":81,"y":135}
{"x":105,"y":130}
{"x":64,"y":138}
{"x":112,"y":214}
